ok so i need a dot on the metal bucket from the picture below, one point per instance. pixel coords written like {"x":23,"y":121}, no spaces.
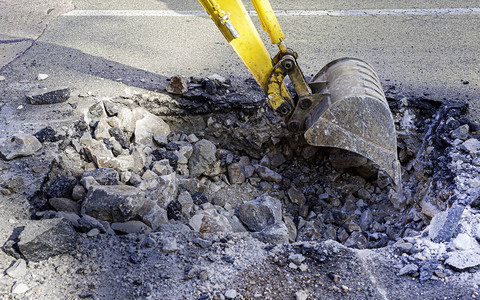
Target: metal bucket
{"x":353,"y":114}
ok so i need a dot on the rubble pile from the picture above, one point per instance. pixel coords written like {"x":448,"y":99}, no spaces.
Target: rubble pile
{"x":142,"y":164}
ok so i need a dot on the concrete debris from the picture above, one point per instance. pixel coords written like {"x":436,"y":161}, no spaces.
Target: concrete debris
{"x":50,"y":96}
{"x":19,"y":145}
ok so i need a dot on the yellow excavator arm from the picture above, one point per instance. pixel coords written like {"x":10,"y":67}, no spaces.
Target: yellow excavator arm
{"x":343,"y":106}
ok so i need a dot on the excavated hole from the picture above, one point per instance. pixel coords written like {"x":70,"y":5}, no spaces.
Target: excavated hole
{"x":325,"y":193}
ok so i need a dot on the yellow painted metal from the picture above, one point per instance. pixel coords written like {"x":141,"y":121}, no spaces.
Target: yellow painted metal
{"x":248,"y":45}
{"x":269,"y":20}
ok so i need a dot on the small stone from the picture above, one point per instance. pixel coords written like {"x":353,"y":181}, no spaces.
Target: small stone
{"x":460,"y":133}
{"x":301,"y":295}
{"x":463,"y":242}
{"x":52,"y":96}
{"x":356,"y":240}
{"x":269,"y":175}
{"x":160,"y":139}
{"x":303,"y":267}
{"x":408,"y":270}
{"x":203,"y":156}
{"x":41,"y":77}
{"x":192,"y":138}
{"x":62,"y":187}
{"x":19,"y":288}
{"x":2,"y":78}
{"x":19,"y":145}
{"x":231,"y":294}
{"x":292,"y":266}
{"x":261,"y":212}
{"x":18,"y":269}
{"x":93,"y":232}
{"x":178,"y":85}
{"x":235,"y":174}
{"x":47,"y":134}
{"x":170,"y":245}
{"x":471,"y":146}
{"x":275,"y":234}
{"x":296,"y":196}
{"x":209,"y":221}
{"x":103,"y":176}
{"x":147,"y":125}
{"x":296,"y":258}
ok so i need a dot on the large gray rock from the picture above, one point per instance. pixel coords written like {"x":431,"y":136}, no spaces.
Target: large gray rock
{"x":209,"y":221}
{"x":19,"y":145}
{"x":104,"y":176}
{"x":42,"y":239}
{"x":269,"y":175}
{"x":147,"y":125}
{"x":276,"y":233}
{"x":261,"y":212}
{"x":461,"y":260}
{"x":118,"y":203}
{"x":202,"y":156}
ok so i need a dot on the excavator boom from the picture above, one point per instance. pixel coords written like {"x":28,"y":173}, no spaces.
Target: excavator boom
{"x":343,"y":106}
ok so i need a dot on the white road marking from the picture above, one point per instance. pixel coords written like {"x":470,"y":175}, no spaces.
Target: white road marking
{"x":306,"y":13}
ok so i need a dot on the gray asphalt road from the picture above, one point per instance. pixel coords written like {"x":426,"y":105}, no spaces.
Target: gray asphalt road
{"x":432,"y":53}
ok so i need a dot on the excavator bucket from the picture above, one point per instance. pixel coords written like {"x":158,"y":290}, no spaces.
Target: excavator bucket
{"x":351,"y":113}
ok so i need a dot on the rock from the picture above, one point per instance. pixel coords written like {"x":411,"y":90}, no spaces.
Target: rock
{"x":192,"y":138}
{"x":383,"y":180}
{"x":170,"y":245}
{"x":184,"y":153}
{"x":19,"y":288}
{"x":97,"y":110}
{"x":87,"y":223}
{"x":461,"y":260}
{"x":203,"y":155}
{"x":471,"y":146}
{"x":444,"y":224}
{"x":19,"y":145}
{"x":154,"y":217}
{"x":42,"y":239}
{"x":101,"y":130}
{"x":269,"y":175}
{"x":103,"y":176}
{"x":261,"y":212}
{"x":147,"y":125}
{"x":98,"y":153}
{"x":366,"y":218}
{"x":127,"y":122}
{"x":168,"y":189}
{"x":113,"y":203}
{"x":47,"y":134}
{"x":51,"y":96}
{"x":463,"y":242}
{"x":178,"y":85}
{"x":65,"y":204}
{"x":119,"y":136}
{"x":296,"y":196}
{"x":230,"y":294}
{"x":292,"y":229}
{"x":209,"y":221}
{"x":301,"y":295}
{"x":62,"y":187}
{"x":408,"y":270}
{"x":160,"y":139}
{"x":186,"y":202}
{"x":162,"y":167}
{"x":159,"y":154}
{"x":276,"y":233}
{"x":460,"y":133}
{"x":131,"y":227}
{"x":18,"y":269}
{"x":343,"y":159}
{"x":356,"y":240}
{"x":427,"y":269}
{"x":111,"y":108}
{"x":235,"y":174}
{"x":42,"y":77}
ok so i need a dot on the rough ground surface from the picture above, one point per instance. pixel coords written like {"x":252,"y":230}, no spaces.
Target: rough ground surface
{"x":418,"y":244}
